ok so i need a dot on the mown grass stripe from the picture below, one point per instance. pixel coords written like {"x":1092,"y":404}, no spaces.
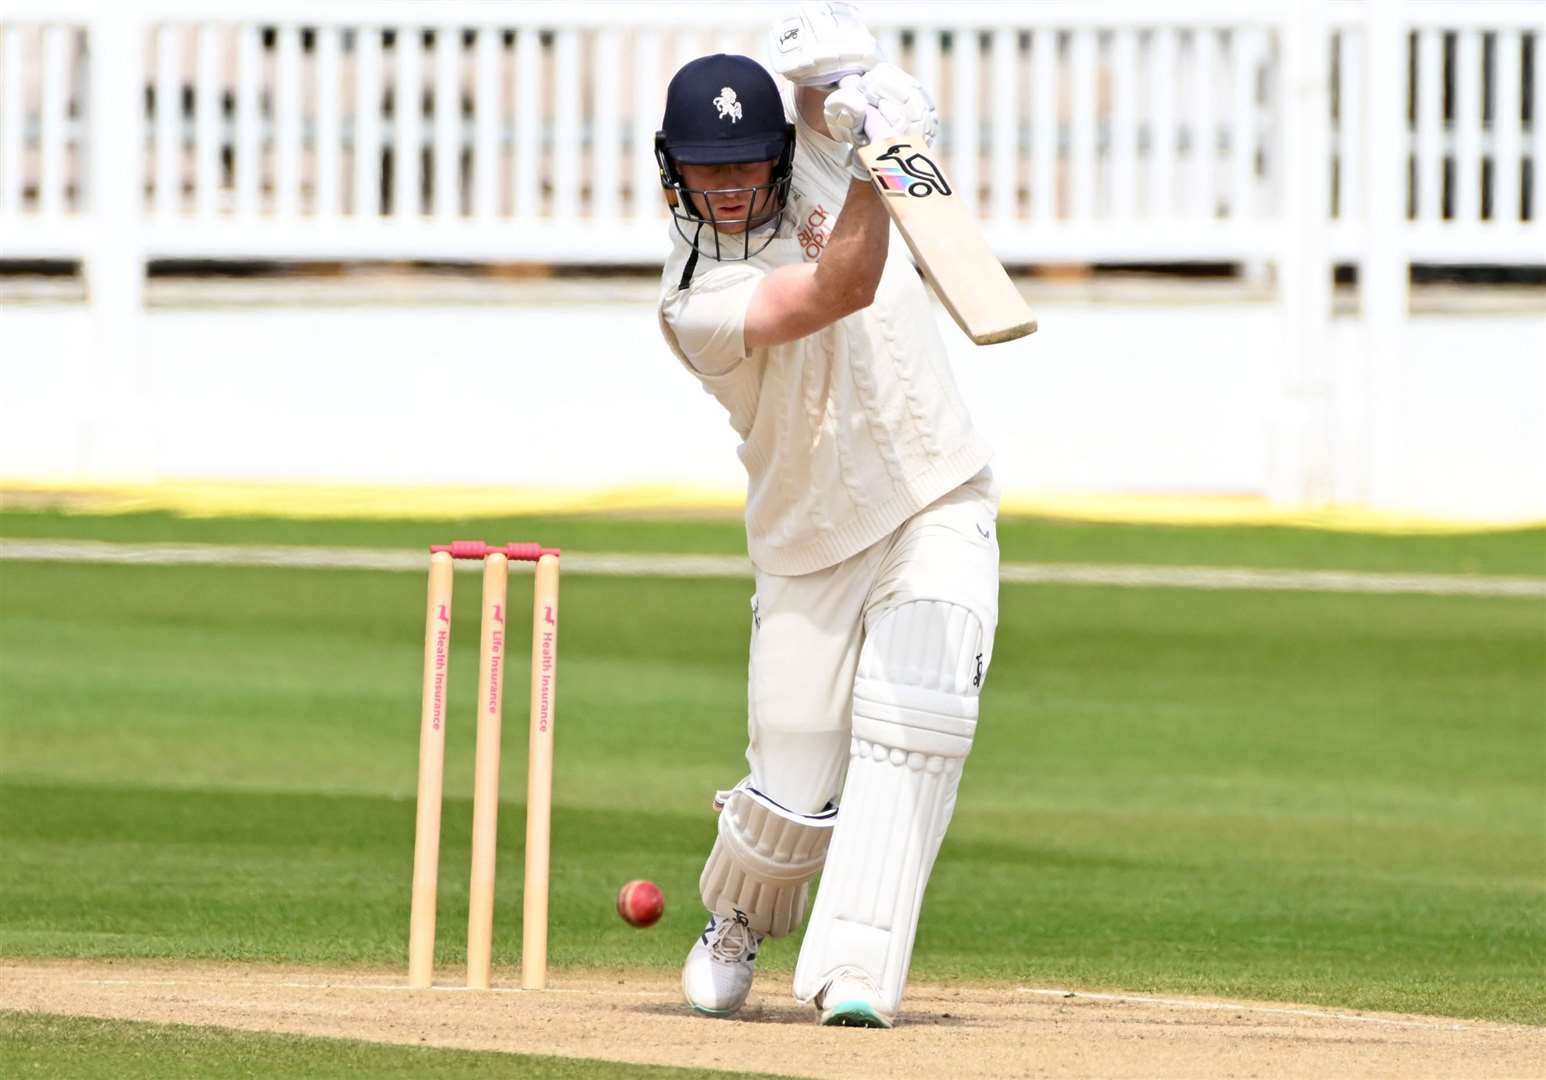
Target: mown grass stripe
{"x":732,"y":566}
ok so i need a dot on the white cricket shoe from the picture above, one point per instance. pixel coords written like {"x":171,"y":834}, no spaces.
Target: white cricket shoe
{"x":719,"y":969}
{"x":851,"y":999}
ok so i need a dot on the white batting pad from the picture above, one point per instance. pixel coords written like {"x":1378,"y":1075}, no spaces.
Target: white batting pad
{"x":764,"y":859}
{"x":915,"y":714}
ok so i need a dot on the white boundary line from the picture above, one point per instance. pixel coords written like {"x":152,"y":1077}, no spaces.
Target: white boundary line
{"x":1224,"y":1006}
{"x":735,"y":566}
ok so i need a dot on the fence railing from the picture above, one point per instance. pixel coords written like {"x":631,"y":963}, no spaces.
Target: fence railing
{"x":1471,"y":152}
{"x":1082,"y":132}
{"x":1382,"y":133}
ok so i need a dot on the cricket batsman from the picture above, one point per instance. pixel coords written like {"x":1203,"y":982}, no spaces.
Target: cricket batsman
{"x":870,"y":512}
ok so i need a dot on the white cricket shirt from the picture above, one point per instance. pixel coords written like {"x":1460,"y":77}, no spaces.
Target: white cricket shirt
{"x":846,"y":433}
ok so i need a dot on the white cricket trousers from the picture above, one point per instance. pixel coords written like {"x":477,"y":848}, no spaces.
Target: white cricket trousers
{"x":807,"y":632}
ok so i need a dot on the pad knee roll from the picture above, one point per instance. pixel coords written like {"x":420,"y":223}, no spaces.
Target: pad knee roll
{"x":764,"y":859}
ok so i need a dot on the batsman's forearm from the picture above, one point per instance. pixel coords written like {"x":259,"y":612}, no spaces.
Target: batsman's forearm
{"x":856,"y":255}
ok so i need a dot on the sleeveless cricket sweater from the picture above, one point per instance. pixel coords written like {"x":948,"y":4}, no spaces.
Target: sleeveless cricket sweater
{"x":846,"y":433}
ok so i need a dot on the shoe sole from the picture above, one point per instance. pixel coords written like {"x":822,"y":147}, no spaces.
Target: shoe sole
{"x":717,"y":1014}
{"x":853,"y":1014}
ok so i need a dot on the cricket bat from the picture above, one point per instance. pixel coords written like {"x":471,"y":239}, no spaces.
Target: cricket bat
{"x":947,"y":242}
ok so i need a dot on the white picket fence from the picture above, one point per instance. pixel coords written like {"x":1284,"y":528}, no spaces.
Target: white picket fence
{"x":1291,"y":135}
{"x":1090,"y":131}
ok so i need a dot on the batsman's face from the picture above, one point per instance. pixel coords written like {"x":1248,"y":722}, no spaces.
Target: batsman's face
{"x":736,"y":196}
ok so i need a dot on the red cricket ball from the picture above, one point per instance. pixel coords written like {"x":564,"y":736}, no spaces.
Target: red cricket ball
{"x":640,"y":903}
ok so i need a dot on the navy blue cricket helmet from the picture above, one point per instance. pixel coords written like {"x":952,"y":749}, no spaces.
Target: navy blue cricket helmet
{"x":724,"y":109}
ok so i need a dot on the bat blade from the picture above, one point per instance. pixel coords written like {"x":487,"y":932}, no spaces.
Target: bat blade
{"x":947,"y":242}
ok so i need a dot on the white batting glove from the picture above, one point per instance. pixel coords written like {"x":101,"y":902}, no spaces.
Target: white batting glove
{"x":817,"y":44}
{"x":901,"y":100}
{"x":850,"y":117}
{"x":844,"y":110}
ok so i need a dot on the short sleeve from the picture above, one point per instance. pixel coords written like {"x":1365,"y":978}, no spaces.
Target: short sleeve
{"x":708,"y":318}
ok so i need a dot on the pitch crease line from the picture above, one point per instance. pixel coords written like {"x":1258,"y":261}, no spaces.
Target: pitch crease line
{"x":373,"y":987}
{"x":1225,"y":1006}
{"x":1054,"y":992}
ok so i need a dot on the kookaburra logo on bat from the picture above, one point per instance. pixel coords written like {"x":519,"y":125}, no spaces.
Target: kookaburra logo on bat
{"x":916,"y":174}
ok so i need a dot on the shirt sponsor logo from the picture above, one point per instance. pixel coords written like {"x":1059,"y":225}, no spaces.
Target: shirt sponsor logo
{"x":815,"y":231}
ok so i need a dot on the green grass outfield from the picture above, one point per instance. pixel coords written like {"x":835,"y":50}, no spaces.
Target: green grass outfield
{"x":89,"y":1049}
{"x":1326,"y":798}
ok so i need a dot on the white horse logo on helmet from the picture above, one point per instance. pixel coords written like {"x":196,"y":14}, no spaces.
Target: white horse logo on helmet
{"x":727,"y":104}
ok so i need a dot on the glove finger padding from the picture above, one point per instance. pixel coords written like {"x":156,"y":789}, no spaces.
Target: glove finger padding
{"x":844,"y":112}
{"x":890,"y":81}
{"x":849,"y":114}
{"x":903,"y":101}
{"x":816,"y":44}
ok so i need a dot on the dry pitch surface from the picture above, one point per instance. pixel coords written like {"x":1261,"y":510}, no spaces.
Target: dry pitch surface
{"x":951,"y":1030}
